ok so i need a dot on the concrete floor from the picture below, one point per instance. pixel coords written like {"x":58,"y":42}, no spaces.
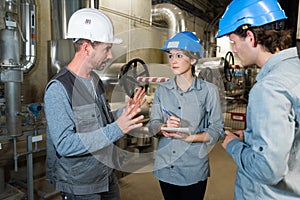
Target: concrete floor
{"x":143,"y":186}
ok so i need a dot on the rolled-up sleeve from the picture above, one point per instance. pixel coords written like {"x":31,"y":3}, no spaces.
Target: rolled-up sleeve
{"x":156,"y":118}
{"x":214,"y":114}
{"x":265,"y":160}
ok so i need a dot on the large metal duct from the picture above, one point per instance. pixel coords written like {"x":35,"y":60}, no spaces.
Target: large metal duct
{"x":171,"y":15}
{"x":60,"y":49}
{"x":61,"y":11}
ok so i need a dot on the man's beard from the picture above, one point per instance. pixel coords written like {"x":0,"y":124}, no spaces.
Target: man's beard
{"x":101,"y":66}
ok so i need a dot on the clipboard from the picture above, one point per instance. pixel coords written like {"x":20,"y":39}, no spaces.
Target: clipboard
{"x":180,"y":130}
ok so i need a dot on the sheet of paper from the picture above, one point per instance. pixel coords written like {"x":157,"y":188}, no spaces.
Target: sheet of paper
{"x":181,"y":130}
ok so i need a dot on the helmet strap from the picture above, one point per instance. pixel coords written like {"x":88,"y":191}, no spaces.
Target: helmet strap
{"x":277,"y":25}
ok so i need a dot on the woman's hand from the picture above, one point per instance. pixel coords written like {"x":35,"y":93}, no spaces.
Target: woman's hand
{"x":173,"y":122}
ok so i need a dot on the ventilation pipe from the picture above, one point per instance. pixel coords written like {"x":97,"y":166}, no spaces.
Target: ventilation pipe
{"x":27,"y":21}
{"x":61,"y":11}
{"x":60,"y":49}
{"x":170,"y":14}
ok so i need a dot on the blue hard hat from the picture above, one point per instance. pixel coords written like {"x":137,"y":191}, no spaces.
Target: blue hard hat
{"x":185,"y":41}
{"x":251,"y":12}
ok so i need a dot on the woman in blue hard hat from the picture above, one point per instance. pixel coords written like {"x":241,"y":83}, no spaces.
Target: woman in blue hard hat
{"x":267,"y":151}
{"x":186,"y":102}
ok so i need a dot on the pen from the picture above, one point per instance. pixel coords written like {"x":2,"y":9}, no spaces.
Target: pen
{"x":166,"y":111}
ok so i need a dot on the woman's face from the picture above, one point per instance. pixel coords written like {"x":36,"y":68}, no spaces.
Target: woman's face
{"x":180,"y":63}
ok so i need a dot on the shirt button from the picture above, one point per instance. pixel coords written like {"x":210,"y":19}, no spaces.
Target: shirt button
{"x":172,"y":166}
{"x":174,"y":151}
{"x":181,"y":94}
{"x":179,"y":107}
{"x":260,"y":148}
{"x":93,"y":115}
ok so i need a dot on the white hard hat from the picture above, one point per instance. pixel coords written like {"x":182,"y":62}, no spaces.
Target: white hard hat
{"x":91,"y":24}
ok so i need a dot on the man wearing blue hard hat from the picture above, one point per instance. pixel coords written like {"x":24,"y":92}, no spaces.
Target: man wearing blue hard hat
{"x":267,"y":151}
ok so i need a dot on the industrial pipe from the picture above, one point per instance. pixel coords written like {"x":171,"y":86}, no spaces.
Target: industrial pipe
{"x":61,"y":11}
{"x":13,"y":102}
{"x":27,"y":21}
{"x":170,"y":14}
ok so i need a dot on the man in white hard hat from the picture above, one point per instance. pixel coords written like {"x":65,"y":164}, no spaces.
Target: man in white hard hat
{"x":81,"y":128}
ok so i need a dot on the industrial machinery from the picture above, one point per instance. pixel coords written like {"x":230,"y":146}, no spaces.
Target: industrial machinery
{"x":19,"y":125}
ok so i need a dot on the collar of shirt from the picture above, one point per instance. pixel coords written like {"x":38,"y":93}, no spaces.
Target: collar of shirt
{"x":196,"y":85}
{"x":272,"y":63}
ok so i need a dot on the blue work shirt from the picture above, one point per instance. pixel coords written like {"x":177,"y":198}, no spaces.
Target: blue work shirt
{"x":178,"y":162}
{"x":269,"y":158}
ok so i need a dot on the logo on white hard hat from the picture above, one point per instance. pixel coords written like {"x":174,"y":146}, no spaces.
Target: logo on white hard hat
{"x":88,"y":21}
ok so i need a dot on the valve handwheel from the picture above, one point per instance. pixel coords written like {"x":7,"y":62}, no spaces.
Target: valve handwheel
{"x":129,"y":73}
{"x":228,"y":63}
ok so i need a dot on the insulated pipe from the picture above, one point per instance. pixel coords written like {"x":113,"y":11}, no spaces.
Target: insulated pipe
{"x":12,"y":80}
{"x":9,"y":48}
{"x":60,"y":49}
{"x":61,"y":11}
{"x":171,"y":14}
{"x":27,"y":21}
{"x":12,"y":76}
{"x":30,"y":187}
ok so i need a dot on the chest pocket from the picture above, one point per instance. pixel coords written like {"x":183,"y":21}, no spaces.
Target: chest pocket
{"x":86,"y":118}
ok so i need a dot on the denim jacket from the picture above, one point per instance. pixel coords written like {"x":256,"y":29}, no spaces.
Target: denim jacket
{"x":269,"y":159}
{"x":80,"y":134}
{"x":178,"y":162}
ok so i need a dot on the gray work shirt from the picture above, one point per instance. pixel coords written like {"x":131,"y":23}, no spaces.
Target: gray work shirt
{"x":178,"y":162}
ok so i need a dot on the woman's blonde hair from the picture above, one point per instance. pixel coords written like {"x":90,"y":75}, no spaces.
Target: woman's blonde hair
{"x":192,"y":55}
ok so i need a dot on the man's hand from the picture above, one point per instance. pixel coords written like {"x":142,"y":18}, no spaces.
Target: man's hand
{"x":138,"y":99}
{"x":126,"y":121}
{"x":229,"y":136}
